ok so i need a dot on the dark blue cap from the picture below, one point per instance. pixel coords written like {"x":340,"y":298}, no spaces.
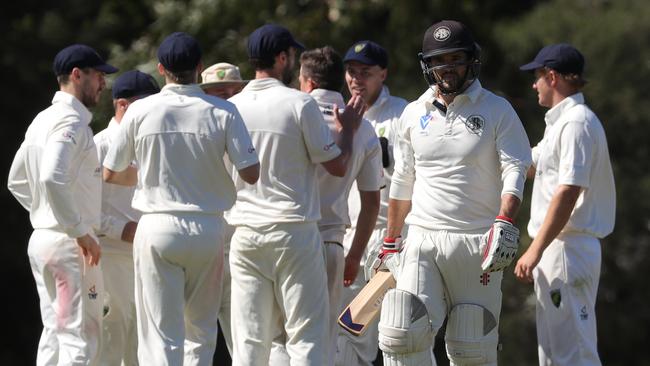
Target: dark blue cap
{"x":81,"y":56}
{"x":561,"y":57}
{"x":179,"y":52}
{"x":367,"y":52}
{"x":134,"y":83}
{"x":269,"y":40}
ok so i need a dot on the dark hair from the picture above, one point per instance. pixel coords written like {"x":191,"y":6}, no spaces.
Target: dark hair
{"x":63,"y":79}
{"x":262,"y":63}
{"x":324,"y":66}
{"x":182,"y":77}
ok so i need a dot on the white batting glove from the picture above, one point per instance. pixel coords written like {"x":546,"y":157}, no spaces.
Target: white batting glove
{"x":499,"y":245}
{"x":387,"y":259}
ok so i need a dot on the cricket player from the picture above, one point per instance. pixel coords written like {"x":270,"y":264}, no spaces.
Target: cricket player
{"x":55,"y":175}
{"x":278,"y":272}
{"x":118,"y":225}
{"x":223,"y":80}
{"x":178,"y":138}
{"x":322,"y":76}
{"x":461,"y":155}
{"x":366,"y":70}
{"x":573,"y":206}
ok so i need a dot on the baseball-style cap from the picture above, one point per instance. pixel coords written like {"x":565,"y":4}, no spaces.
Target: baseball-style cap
{"x":179,"y":52}
{"x":447,"y":36}
{"x":81,"y":56}
{"x":269,"y":40}
{"x":367,"y":52}
{"x":134,"y":83}
{"x":561,"y":57}
{"x":221,"y":73}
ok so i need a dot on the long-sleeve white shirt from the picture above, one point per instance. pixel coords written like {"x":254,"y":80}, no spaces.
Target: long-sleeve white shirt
{"x":116,"y":201}
{"x":574,"y":152}
{"x":455,"y":167}
{"x":55,"y":174}
{"x":364,"y":168}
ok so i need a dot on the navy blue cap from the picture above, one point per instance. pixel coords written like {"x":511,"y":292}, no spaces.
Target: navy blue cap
{"x":179,"y":52}
{"x":81,"y":56}
{"x":269,"y":40}
{"x":367,"y":52}
{"x":134,"y":83}
{"x":561,"y":57}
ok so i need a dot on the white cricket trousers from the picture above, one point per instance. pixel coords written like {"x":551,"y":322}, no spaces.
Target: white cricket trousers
{"x":179,"y":267}
{"x":566,"y":285}
{"x":358,"y":350}
{"x":334,"y":266}
{"x":224,"y":308}
{"x":444,"y":269}
{"x":120,"y":335}
{"x":278,"y":281}
{"x":71,"y":300}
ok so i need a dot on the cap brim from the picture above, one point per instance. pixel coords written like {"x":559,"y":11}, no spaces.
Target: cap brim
{"x":106,"y":68}
{"x":224,"y":82}
{"x":445,"y":51}
{"x":298,"y":45}
{"x":531,"y":66}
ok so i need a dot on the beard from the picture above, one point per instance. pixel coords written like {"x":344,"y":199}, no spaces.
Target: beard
{"x":451,"y":82}
{"x":287,"y":75}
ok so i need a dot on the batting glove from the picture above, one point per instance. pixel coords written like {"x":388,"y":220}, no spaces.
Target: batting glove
{"x":387,"y":259}
{"x":499,"y":245}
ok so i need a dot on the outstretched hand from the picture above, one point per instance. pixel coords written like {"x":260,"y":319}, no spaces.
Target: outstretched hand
{"x":352,"y":115}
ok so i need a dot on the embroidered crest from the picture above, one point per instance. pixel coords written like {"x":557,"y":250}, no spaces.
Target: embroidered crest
{"x":584,"y":314}
{"x":556,"y":297}
{"x":424,"y":121}
{"x":475,"y":123}
{"x":359,"y":47}
{"x":92,"y":293}
{"x":221,"y":74}
{"x":441,"y":33}
{"x":382,"y":131}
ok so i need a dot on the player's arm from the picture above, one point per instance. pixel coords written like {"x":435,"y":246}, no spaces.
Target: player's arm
{"x":397,"y":212}
{"x":558,"y":214}
{"x":250,"y":174}
{"x":509,"y":206}
{"x":127,"y":177}
{"x":17,"y":183}
{"x":370,"y":202}
{"x":347,"y":123}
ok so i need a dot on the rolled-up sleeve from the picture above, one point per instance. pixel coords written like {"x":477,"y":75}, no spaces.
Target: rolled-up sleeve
{"x":403,"y":177}
{"x":514,"y":152}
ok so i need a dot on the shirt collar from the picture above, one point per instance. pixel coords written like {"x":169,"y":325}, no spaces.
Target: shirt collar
{"x":472,"y":92}
{"x":381,"y":99}
{"x":72,"y":101}
{"x":185,"y":89}
{"x":324,"y":96}
{"x":554,"y":114}
{"x":261,"y":84}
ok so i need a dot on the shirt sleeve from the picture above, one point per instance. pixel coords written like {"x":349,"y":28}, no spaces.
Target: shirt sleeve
{"x":576,"y":150}
{"x":17,"y":183}
{"x":122,"y":150}
{"x":240,"y":149}
{"x":370,"y":174}
{"x":320,"y":144}
{"x":514,"y":153}
{"x":57,"y":170}
{"x":403,"y":177}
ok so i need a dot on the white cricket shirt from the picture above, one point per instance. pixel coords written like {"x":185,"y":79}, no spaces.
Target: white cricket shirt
{"x":291,"y":138}
{"x":55,"y":174}
{"x":178,"y":138}
{"x":116,"y":201}
{"x":382,"y":115}
{"x":364,"y":168}
{"x":455,"y":167}
{"x":574,"y":151}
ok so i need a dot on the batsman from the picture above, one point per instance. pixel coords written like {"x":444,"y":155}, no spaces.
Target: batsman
{"x":461,"y":155}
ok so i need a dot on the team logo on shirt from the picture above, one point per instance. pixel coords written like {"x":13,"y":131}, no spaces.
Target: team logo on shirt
{"x":424,"y":121}
{"x":584,"y":314}
{"x":251,"y":150}
{"x":68,"y":136}
{"x":329,"y":146}
{"x":475,"y":123}
{"x":441,"y":33}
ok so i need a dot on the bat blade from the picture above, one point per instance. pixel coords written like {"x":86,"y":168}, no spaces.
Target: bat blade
{"x":365,"y":307}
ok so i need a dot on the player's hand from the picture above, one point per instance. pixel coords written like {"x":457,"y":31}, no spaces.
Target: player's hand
{"x":388,"y":257}
{"x":499,"y":245}
{"x":526,"y":264}
{"x":352,"y":115}
{"x":351,"y":270}
{"x":128,"y":233}
{"x":89,"y":248}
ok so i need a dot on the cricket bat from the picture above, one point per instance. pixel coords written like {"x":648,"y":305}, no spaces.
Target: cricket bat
{"x":365,"y":308}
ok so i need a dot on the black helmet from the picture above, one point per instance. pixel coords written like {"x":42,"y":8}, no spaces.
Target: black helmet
{"x":449,"y":36}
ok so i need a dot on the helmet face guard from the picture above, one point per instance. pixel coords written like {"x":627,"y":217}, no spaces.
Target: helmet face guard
{"x":444,"y":37}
